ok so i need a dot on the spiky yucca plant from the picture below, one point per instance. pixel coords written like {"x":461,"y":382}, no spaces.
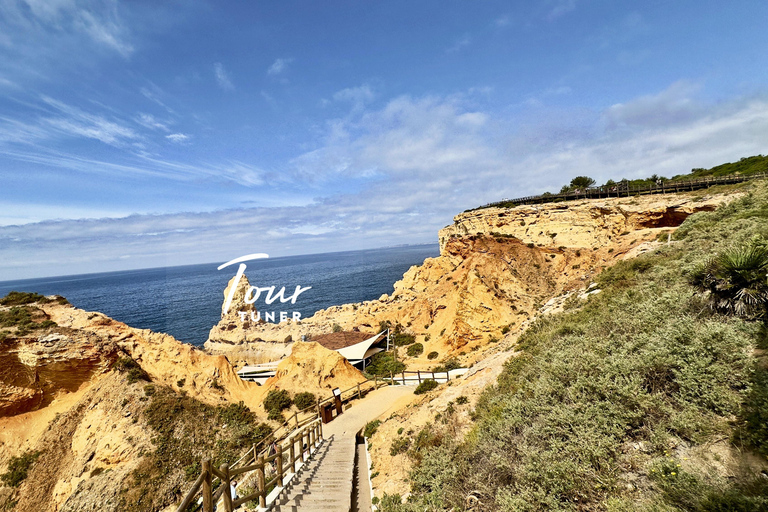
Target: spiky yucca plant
{"x":737,"y":280}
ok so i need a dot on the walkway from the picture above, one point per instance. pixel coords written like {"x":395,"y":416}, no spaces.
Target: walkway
{"x":326,"y":481}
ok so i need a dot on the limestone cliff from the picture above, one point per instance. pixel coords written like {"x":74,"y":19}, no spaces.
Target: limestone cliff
{"x":497,"y":267}
{"x":66,"y":393}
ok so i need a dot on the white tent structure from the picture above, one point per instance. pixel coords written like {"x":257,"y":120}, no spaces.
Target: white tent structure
{"x":357,"y":354}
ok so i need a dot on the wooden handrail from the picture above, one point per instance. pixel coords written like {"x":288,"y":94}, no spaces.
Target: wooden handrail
{"x":311,"y":431}
{"x":599,"y":192}
{"x":306,"y":431}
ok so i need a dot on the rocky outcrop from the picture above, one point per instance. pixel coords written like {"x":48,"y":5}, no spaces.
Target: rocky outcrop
{"x":497,"y":267}
{"x":312,"y":367}
{"x":582,"y":224}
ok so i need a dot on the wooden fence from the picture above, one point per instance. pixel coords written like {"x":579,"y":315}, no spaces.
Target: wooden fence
{"x":293,"y":450}
{"x":620,"y":190}
{"x":296,"y":439}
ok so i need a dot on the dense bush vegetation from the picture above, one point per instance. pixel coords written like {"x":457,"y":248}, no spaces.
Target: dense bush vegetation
{"x":304,"y":400}
{"x":276,"y":402}
{"x":425,"y":386}
{"x":18,"y":467}
{"x":415,"y":350}
{"x":644,"y":364}
{"x":20,"y":298}
{"x":26,"y":319}
{"x":184,"y":432}
{"x":383,"y":363}
{"x":134,"y":372}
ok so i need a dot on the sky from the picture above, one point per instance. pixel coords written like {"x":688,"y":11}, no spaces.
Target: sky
{"x":142,"y":134}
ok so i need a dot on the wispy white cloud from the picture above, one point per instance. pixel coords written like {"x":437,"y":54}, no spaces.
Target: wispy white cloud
{"x":74,"y":122}
{"x":560,"y":8}
{"x":151,"y":122}
{"x":279,"y":66}
{"x":52,"y":20}
{"x":106,"y":31}
{"x":502,"y":21}
{"x":462,"y":42}
{"x":674,"y":105}
{"x":177,"y":137}
{"x":423,"y":158}
{"x":222,"y":78}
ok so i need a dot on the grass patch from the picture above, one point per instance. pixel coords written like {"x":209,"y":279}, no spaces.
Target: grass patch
{"x":644,"y":361}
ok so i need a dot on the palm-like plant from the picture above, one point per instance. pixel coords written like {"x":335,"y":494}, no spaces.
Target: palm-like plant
{"x":737,"y":280}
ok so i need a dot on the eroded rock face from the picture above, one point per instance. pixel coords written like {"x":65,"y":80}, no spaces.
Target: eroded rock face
{"x":580,"y":224}
{"x":497,"y":267}
{"x":33,"y":370}
{"x":62,"y":394}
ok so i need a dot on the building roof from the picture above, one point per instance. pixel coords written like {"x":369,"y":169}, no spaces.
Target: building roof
{"x":352,"y":345}
{"x":339,"y":340}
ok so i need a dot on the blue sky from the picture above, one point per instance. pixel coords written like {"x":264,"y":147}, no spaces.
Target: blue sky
{"x":138,"y":134}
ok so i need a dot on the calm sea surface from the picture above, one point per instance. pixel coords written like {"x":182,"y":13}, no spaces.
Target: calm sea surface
{"x":186,"y":301}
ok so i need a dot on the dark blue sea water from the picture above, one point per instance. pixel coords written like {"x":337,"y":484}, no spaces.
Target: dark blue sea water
{"x":186,"y":301}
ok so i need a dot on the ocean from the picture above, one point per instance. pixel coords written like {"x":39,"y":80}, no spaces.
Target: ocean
{"x":186,"y":301}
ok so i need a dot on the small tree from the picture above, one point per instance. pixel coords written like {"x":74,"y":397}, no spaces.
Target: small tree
{"x":582,"y":182}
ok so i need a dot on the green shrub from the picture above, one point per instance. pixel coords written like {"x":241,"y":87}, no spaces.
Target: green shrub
{"x":425,"y":386}
{"x":415,"y":350}
{"x":461,"y":400}
{"x":754,"y":415}
{"x":18,"y":468}
{"x":277,"y":400}
{"x":304,"y":400}
{"x":736,"y":280}
{"x":432,"y":355}
{"x":383,"y":363}
{"x":276,"y":415}
{"x":399,"y":445}
{"x":370,"y":428}
{"x":134,"y":372}
{"x":185,"y":431}
{"x":449,"y":364}
{"x":337,"y":328}
{"x":21,"y":298}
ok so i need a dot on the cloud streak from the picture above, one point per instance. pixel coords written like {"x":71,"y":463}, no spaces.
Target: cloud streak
{"x":278,"y":67}
{"x":222,"y":77}
{"x":408,"y":167}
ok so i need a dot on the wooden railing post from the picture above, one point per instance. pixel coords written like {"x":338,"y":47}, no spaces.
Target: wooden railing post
{"x":359,"y":394}
{"x":311,"y":437}
{"x":280,"y":468}
{"x":301,"y":446}
{"x":227,"y":494}
{"x":296,"y":418}
{"x":293,"y":454}
{"x":207,"y":488}
{"x":418,"y":372}
{"x":262,"y":484}
{"x":320,"y":428}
